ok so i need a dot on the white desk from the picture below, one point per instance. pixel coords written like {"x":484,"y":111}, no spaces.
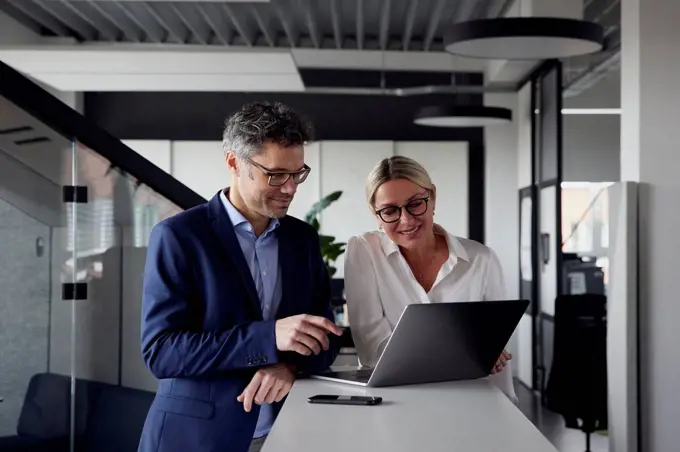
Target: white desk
{"x":469,"y":416}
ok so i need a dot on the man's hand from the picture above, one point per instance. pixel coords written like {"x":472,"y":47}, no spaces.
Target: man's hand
{"x":269,"y":384}
{"x":502,"y":362}
{"x":304,"y":334}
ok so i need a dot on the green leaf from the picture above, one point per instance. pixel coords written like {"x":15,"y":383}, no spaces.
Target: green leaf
{"x":336,"y":247}
{"x":321,"y":204}
{"x":330,"y":249}
{"x":326,"y":240}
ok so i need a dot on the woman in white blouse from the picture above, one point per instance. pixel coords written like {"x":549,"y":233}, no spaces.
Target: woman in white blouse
{"x":412,"y":259}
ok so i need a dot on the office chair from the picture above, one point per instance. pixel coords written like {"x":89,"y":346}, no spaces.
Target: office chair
{"x":337,"y":303}
{"x":337,"y":291}
{"x":577,"y":385}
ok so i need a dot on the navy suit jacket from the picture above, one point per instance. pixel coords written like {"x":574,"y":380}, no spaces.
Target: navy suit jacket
{"x":203,"y":335}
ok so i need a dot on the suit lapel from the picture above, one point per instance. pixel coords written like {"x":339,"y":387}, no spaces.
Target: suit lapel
{"x":288,"y":268}
{"x":225,"y":231}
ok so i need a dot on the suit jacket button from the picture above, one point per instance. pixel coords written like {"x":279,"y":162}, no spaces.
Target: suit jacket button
{"x":264,"y":359}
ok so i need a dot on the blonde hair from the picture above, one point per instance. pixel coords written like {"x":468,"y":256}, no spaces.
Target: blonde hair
{"x":396,"y":167}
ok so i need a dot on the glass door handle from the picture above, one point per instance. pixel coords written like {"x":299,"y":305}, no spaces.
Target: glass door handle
{"x":545,"y":248}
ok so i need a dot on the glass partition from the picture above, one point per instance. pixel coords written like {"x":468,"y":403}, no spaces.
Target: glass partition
{"x":74,"y":228}
{"x":546,"y":205}
{"x":36,"y":248}
{"x":585,"y":228}
{"x":67,"y":346}
{"x":112,"y":235}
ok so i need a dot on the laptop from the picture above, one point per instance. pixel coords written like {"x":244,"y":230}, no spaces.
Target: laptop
{"x":438,"y":342}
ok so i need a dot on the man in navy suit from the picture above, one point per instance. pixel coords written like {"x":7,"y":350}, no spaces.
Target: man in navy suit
{"x":236,"y":297}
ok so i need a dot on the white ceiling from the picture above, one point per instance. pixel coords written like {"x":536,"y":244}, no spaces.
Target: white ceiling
{"x":349,"y":24}
{"x":255,"y":46}
{"x":77,"y":68}
{"x":135,"y":45}
{"x":168,"y":67}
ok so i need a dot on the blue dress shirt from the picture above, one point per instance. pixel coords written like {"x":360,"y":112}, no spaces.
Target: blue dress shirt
{"x":262,"y":256}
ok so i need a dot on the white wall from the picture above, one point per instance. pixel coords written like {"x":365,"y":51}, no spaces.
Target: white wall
{"x":650,"y":109}
{"x":156,"y":151}
{"x":336,"y":165}
{"x":524,"y":361}
{"x":200,"y":166}
{"x":548,"y":272}
{"x":309,"y":192}
{"x":622,"y":317}
{"x":592,"y":142}
{"x":502,"y":203}
{"x":591,"y":148}
{"x":524,"y":136}
{"x":345,"y":166}
{"x":447,"y":164}
{"x":501,"y":194}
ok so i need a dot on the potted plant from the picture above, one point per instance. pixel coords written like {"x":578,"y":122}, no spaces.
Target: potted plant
{"x":330,"y":249}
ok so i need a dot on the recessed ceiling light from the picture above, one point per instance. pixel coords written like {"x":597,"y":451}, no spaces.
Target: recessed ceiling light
{"x":587,"y":111}
{"x":591,"y":111}
{"x":462,"y":116}
{"x":524,"y":38}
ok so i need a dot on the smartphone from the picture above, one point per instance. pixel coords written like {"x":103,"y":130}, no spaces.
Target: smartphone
{"x":344,"y":399}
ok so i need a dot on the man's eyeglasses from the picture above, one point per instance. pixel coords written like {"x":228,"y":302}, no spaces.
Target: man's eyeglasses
{"x":415,"y":207}
{"x":278,"y":178}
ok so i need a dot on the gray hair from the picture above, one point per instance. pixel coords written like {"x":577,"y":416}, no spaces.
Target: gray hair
{"x":396,"y":167}
{"x":257,"y":123}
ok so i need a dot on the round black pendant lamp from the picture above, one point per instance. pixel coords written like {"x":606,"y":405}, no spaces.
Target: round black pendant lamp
{"x":524,"y":38}
{"x":462,"y":116}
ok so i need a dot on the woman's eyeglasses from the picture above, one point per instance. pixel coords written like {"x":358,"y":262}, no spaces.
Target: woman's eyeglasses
{"x":414,"y":207}
{"x":278,"y":178}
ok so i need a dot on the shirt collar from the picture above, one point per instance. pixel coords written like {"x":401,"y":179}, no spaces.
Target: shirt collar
{"x":456,"y":249}
{"x":237,"y":218}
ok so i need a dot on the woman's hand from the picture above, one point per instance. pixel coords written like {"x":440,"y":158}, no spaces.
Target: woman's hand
{"x":502,"y":362}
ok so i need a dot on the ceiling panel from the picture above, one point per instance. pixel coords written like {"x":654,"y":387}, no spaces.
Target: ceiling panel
{"x":83,"y":60}
{"x":411,"y":27}
{"x":83,"y":69}
{"x":351,"y":24}
{"x":173,"y":82}
{"x":582,"y":72}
